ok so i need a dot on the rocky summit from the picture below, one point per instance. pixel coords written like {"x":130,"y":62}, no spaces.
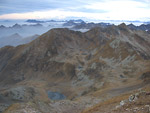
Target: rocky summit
{"x":65,"y":71}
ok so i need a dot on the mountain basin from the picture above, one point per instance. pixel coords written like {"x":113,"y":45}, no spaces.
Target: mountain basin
{"x":56,"y":96}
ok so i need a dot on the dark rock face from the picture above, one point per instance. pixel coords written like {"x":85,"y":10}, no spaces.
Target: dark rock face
{"x":145,"y":76}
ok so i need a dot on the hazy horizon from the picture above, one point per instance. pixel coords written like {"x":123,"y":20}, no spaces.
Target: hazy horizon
{"x":74,"y":9}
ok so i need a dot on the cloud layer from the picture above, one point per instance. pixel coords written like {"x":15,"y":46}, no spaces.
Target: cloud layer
{"x":63,"y":9}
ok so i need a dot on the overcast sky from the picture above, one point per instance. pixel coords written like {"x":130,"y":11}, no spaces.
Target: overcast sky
{"x":87,"y":9}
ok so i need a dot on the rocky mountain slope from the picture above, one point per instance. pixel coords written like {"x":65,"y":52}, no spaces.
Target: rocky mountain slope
{"x":87,"y":68}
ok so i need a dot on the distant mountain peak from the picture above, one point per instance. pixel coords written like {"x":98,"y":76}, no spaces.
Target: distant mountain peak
{"x":2,"y":26}
{"x":123,"y":25}
{"x":16,"y":26}
{"x":16,"y":35}
{"x":34,"y":21}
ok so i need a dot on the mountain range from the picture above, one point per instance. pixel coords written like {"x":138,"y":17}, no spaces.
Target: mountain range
{"x":24,"y":30}
{"x":144,"y":27}
{"x":39,"y":27}
{"x":38,"y":21}
{"x":81,"y":70}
